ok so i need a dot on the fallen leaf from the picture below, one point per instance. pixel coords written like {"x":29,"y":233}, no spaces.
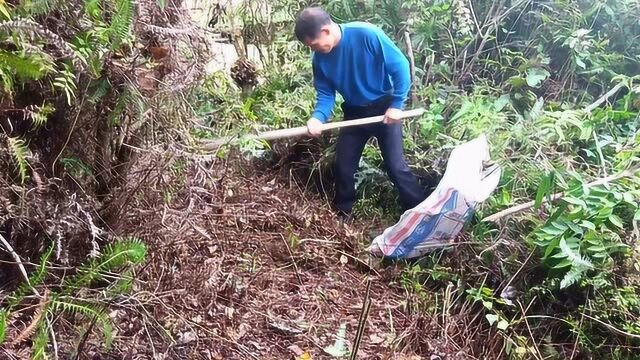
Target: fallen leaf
{"x":375,"y":339}
{"x":295,"y":349}
{"x":187,"y":337}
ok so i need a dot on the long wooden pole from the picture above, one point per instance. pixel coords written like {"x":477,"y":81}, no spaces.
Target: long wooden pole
{"x":302,"y":130}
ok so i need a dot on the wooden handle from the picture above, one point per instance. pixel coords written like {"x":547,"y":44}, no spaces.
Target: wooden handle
{"x":302,"y":130}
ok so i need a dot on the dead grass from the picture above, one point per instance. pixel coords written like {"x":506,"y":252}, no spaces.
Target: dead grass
{"x":248,"y":266}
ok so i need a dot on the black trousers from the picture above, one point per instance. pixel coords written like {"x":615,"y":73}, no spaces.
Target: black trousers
{"x":351,"y":142}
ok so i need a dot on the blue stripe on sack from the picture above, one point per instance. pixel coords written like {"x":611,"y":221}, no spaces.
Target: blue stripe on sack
{"x":424,"y":229}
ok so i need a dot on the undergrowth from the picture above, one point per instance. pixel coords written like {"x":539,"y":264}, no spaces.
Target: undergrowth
{"x":554,"y":86}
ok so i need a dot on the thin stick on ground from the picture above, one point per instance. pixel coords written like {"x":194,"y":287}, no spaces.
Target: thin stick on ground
{"x":15,"y":256}
{"x":522,"y":207}
{"x":362,"y":322}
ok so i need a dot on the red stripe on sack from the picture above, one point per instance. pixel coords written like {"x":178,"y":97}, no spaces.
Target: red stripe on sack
{"x":415,"y":217}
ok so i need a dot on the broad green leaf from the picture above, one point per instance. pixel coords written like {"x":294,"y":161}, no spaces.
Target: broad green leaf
{"x":636,"y":216}
{"x":501,"y":102}
{"x":588,"y":224}
{"x":563,"y":264}
{"x":551,"y":247}
{"x":4,"y":10}
{"x":597,"y":249}
{"x":615,"y":220}
{"x":535,"y":76}
{"x":492,"y":318}
{"x":574,"y":201}
{"x":553,"y":231}
{"x":503,"y":324}
{"x":543,"y":189}
{"x":628,"y":198}
{"x":575,"y":228}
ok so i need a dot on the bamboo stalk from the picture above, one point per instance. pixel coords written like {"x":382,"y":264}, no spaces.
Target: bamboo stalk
{"x":302,"y":130}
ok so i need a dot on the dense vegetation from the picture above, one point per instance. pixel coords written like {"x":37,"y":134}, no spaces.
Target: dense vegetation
{"x":79,"y":86}
{"x":555,"y":86}
{"x":90,"y":86}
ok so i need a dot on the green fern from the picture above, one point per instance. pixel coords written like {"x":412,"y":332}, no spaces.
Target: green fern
{"x":38,"y":114}
{"x":40,"y":7}
{"x":122,"y":285}
{"x":128,"y":251}
{"x":25,"y":66}
{"x":65,"y":81}
{"x":129,"y":98}
{"x":35,"y":279}
{"x":91,"y":311}
{"x":40,"y":341}
{"x":100,"y":88}
{"x":121,"y":105}
{"x":7,"y":80}
{"x":578,"y":264}
{"x":20,"y":153}
{"x":121,"y":22}
{"x":92,"y":7}
{"x":4,"y":313}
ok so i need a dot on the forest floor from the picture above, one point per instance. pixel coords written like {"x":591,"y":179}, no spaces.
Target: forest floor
{"x":243,"y":264}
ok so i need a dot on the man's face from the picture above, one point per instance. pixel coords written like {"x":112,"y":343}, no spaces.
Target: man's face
{"x":322,"y":43}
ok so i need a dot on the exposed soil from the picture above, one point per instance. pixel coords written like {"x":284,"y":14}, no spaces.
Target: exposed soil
{"x":244,"y":265}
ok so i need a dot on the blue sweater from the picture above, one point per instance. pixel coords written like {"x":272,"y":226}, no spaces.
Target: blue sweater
{"x":365,"y":66}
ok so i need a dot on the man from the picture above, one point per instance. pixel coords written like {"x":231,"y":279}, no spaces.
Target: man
{"x":359,"y":61}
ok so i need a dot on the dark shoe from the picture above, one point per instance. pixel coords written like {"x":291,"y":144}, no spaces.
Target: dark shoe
{"x":345,"y":218}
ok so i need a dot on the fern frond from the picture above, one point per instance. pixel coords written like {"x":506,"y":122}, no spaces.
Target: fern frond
{"x":40,"y":342}
{"x":26,"y":67}
{"x":38,"y":114}
{"x":121,"y":22}
{"x":20,"y":153}
{"x":90,"y":311}
{"x":576,"y":259}
{"x":34,"y":280}
{"x":65,"y":81}
{"x":100,"y":89}
{"x":92,"y":7}
{"x":4,"y":314}
{"x":571,"y":277}
{"x":122,"y":285}
{"x":131,"y":99}
{"x":40,"y":7}
{"x":34,"y":30}
{"x":7,"y":80}
{"x":121,"y":105}
{"x":129,"y":251}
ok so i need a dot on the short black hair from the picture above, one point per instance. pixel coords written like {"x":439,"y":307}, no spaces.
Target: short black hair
{"x":309,"y":22}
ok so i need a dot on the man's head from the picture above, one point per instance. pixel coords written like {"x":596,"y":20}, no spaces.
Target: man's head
{"x":315,"y":29}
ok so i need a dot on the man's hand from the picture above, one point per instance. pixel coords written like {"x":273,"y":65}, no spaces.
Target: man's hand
{"x":314,"y":127}
{"x":392,"y":116}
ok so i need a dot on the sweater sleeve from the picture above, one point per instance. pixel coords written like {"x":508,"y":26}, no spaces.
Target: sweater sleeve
{"x":325,"y":95}
{"x":396,"y":65}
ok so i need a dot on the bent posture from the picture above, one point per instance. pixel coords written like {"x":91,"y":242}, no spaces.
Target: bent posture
{"x":359,"y":61}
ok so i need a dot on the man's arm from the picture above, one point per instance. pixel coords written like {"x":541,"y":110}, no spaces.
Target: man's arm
{"x":396,"y":65}
{"x":325,"y":95}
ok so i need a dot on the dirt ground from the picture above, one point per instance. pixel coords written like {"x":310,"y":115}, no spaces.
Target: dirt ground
{"x":244,"y":265}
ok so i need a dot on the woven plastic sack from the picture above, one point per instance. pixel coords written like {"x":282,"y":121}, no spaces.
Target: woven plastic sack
{"x":437,"y":221}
